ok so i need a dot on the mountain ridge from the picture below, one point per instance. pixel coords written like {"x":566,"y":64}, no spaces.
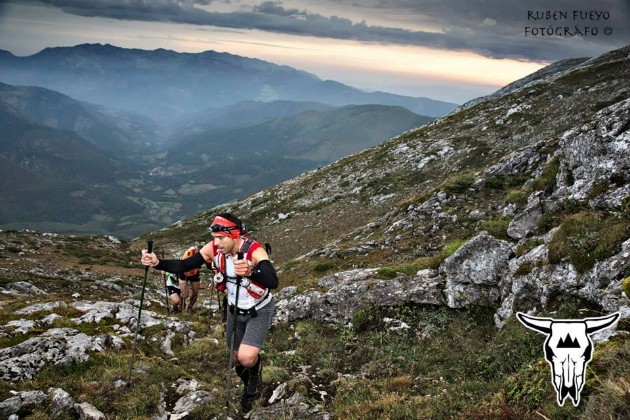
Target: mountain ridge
{"x":311,"y":141}
{"x":167,"y":84}
{"x":95,"y":123}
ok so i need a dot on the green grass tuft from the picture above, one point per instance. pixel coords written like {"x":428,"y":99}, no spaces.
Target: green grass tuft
{"x":588,"y":237}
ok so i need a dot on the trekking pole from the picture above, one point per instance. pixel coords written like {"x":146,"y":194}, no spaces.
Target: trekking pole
{"x":221,"y":309}
{"x":234,"y":318}
{"x":135,"y":338}
{"x":168,"y":306}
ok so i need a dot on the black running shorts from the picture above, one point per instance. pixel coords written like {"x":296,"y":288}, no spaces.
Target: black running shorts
{"x":251,"y":331}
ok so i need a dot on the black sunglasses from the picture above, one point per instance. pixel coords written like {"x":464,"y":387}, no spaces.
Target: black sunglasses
{"x":219,"y":228}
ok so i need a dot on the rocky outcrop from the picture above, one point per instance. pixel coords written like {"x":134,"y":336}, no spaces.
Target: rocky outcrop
{"x":125,"y":312}
{"x":526,"y":221}
{"x":187,"y":403}
{"x":87,"y":411}
{"x":601,"y":285}
{"x":58,"y":346}
{"x":474,"y":271}
{"x":484,"y":271}
{"x":594,"y":162}
{"x":59,"y":400}
{"x":594,"y":167}
{"x":63,"y":346}
{"x":22,"y":287}
{"x":597,"y":154}
{"x":518,"y":162}
{"x":357,"y":289}
{"x":21,"y":400}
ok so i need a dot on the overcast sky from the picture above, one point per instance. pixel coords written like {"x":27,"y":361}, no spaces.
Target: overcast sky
{"x":453,"y":50}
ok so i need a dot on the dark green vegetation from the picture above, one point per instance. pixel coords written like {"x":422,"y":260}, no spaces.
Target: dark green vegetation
{"x":486,"y":373}
{"x":587,"y":237}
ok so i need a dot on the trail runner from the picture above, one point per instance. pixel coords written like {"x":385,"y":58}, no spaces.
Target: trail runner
{"x":255,"y":303}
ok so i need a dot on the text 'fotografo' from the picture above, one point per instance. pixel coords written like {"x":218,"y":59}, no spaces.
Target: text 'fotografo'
{"x":564,"y":23}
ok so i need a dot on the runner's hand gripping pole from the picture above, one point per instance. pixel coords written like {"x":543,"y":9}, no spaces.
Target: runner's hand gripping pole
{"x":135,"y":338}
{"x":239,"y":256}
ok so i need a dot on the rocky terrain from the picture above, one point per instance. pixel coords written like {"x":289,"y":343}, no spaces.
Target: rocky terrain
{"x":518,"y":202}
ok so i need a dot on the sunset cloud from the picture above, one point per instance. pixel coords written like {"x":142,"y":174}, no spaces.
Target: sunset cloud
{"x":491,"y":28}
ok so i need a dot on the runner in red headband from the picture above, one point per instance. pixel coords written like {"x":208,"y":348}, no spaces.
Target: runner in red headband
{"x":224,"y":227}
{"x":249,"y":278}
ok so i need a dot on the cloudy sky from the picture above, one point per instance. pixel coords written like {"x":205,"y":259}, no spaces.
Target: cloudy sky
{"x":452,"y":50}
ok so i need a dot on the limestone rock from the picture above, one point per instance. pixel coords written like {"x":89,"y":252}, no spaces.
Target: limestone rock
{"x":56,"y":346}
{"x":21,"y":400}
{"x":597,"y":152}
{"x":518,"y":162}
{"x":45,"y":306}
{"x":358,"y":290}
{"x":87,"y":411}
{"x":187,"y":403}
{"x":526,"y":221}
{"x":474,"y":271}
{"x":22,"y":288}
{"x":60,"y":400}
{"x":294,"y":407}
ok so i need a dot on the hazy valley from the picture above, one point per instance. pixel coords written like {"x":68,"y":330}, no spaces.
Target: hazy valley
{"x":133,"y":140}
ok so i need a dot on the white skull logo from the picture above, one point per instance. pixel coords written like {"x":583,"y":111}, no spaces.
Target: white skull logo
{"x":568,"y":348}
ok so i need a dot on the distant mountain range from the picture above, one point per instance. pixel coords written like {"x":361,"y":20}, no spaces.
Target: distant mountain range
{"x":312,"y":135}
{"x":166,"y":85}
{"x":107,"y":128}
{"x":102,"y":139}
{"x":73,"y":166}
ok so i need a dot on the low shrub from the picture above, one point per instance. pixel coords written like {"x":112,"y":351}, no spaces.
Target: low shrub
{"x":524,"y":269}
{"x":588,"y":237}
{"x":547,"y":180}
{"x":323,"y":266}
{"x":459,"y":183}
{"x":497,"y":227}
{"x":554,"y":218}
{"x":518,"y":197}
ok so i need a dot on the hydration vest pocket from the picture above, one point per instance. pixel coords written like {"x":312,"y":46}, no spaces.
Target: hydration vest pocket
{"x":255,"y":290}
{"x":219,"y":282}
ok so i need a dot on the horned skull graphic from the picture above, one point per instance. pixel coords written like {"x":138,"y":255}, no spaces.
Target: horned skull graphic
{"x":568,"y":349}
